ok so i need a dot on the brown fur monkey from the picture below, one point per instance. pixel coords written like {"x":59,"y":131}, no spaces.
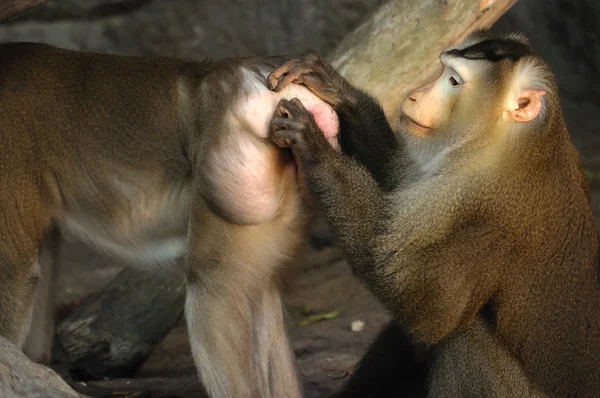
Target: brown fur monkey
{"x":150,"y":159}
{"x":479,"y":213}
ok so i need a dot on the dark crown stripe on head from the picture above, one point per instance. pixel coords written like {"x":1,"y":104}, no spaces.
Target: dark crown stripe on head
{"x":494,"y":50}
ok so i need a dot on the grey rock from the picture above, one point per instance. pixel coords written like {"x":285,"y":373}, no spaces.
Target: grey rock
{"x":22,"y":378}
{"x":197,"y":28}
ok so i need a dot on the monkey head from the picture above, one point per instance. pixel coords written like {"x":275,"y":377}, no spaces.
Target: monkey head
{"x":488,"y":87}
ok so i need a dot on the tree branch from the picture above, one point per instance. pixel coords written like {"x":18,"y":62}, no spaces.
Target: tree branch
{"x":112,"y":333}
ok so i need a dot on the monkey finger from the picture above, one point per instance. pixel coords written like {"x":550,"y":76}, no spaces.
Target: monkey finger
{"x":277,"y":124}
{"x":282,"y":109}
{"x":278,"y":74}
{"x":283,"y":123}
{"x":298,"y":105}
{"x":315,"y":82}
{"x":286,"y":138}
{"x":295,"y":70}
{"x":293,"y":76}
{"x":275,"y":76}
{"x":274,"y":80}
{"x":293,"y":109}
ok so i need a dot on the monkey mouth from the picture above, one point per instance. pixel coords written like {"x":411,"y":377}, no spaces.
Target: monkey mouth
{"x":410,"y":122}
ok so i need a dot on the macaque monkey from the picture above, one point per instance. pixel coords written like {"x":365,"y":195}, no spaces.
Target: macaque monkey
{"x":151,"y":159}
{"x":474,"y":228}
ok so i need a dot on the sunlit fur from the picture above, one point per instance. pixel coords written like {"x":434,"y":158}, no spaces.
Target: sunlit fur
{"x":476,"y":111}
{"x":507,"y":200}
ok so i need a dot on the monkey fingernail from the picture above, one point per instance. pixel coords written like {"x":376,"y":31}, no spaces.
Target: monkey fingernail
{"x":274,"y":81}
{"x":283,"y":109}
{"x":296,"y":102}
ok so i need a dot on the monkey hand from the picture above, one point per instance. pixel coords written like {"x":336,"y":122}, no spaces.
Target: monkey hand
{"x":316,"y":75}
{"x":294,"y":127}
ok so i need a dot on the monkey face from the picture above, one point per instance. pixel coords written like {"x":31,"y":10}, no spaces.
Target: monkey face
{"x":487,"y":86}
{"x":428,"y":108}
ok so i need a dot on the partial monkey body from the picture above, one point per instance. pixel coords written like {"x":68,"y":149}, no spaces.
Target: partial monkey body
{"x":151,"y":159}
{"x":474,"y":227}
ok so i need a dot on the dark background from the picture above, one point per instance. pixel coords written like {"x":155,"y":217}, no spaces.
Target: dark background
{"x":565,"y":32}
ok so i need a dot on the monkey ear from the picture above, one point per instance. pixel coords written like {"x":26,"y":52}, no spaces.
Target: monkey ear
{"x":527,"y":105}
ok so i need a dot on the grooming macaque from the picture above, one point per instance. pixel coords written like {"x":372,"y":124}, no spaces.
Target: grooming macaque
{"x":151,"y":159}
{"x":474,"y":228}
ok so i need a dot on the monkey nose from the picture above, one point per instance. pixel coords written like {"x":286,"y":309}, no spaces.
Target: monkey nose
{"x":412,"y":98}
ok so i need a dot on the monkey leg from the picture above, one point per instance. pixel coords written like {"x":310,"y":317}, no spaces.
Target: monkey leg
{"x":234,"y":310}
{"x":18,"y":279}
{"x":22,"y":229}
{"x":38,"y":346}
{"x":474,"y":363}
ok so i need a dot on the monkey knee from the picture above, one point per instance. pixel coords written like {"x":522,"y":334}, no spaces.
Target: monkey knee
{"x":431,"y":315}
{"x":16,"y":303}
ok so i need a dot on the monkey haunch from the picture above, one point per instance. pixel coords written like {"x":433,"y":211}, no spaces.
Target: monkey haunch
{"x":148,"y":159}
{"x":474,"y":229}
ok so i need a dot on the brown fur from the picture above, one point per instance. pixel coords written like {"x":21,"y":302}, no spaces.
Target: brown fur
{"x":125,"y":153}
{"x":486,"y":218}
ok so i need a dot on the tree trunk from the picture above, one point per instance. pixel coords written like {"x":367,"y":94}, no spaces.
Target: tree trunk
{"x":112,"y":334}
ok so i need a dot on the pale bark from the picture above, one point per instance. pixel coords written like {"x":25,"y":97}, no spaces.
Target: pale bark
{"x":397,"y":48}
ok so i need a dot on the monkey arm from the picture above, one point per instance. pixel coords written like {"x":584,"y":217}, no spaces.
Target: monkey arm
{"x":365,"y":133}
{"x":393,"y":251}
{"x":330,"y":176}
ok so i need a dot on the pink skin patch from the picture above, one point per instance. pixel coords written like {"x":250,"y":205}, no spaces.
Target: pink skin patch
{"x":245,"y":178}
{"x":258,"y":109}
{"x":324,"y":115}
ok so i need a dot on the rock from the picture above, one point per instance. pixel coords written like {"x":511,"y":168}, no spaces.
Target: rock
{"x":113,"y":332}
{"x":22,"y":378}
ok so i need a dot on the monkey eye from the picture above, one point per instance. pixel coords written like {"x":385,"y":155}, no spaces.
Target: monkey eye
{"x":453,"y":81}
